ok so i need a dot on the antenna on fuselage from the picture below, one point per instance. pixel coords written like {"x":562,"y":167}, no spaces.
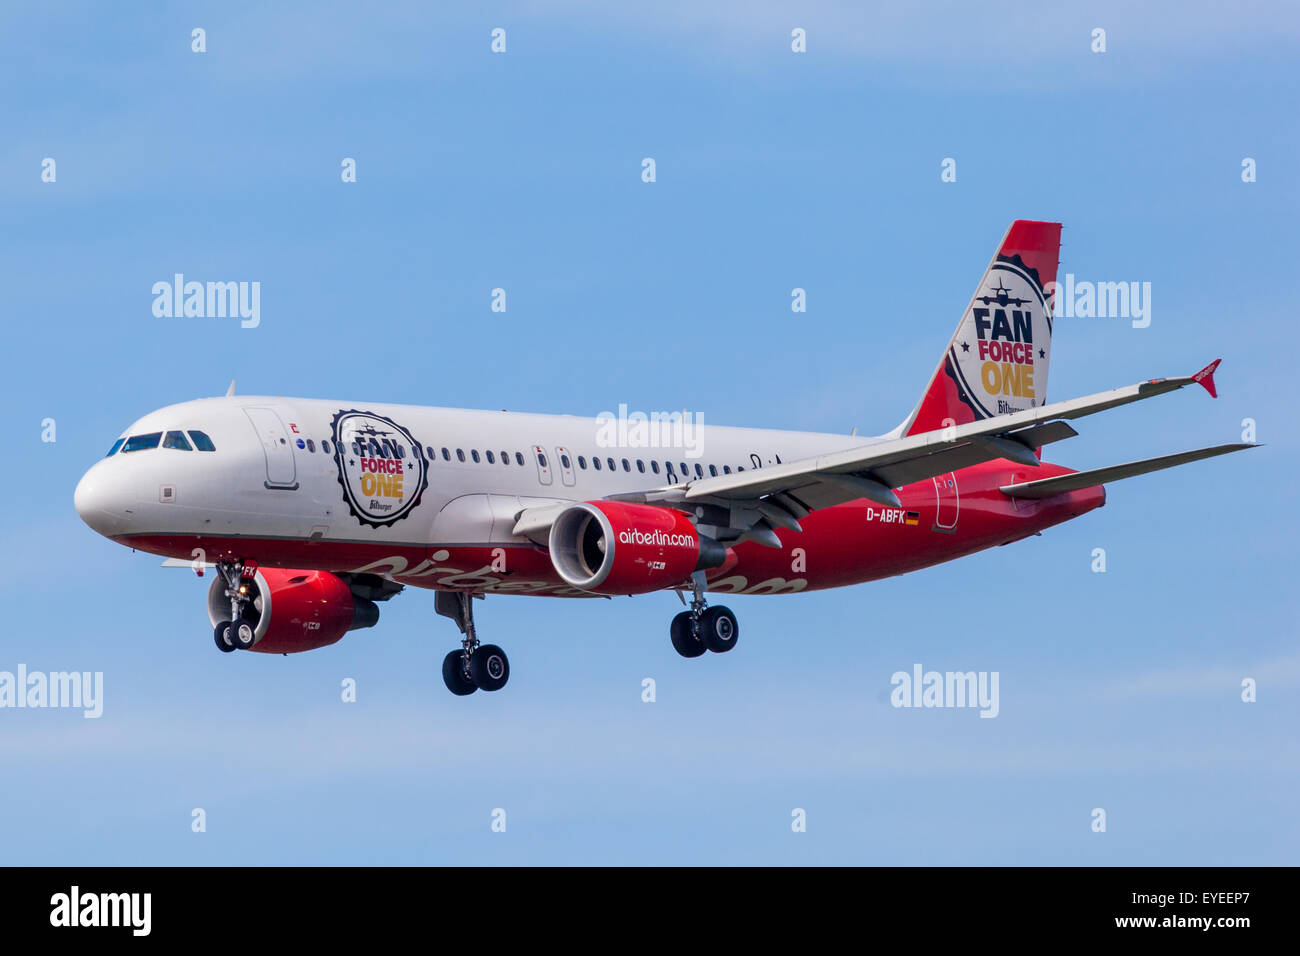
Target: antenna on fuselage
{"x":231,"y":391}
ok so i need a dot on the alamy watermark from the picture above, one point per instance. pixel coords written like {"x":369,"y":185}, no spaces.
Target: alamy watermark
{"x":208,"y":300}
{"x":922,"y":688}
{"x":1083,"y":299}
{"x":70,"y":689}
{"x":653,"y":430}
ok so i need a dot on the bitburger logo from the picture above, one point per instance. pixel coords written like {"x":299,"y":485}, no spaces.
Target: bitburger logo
{"x":380,"y":467}
{"x":1000,"y":356}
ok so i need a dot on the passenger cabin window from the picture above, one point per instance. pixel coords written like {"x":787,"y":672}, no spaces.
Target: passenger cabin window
{"x":460,"y":454}
{"x":612,"y":466}
{"x":116,"y":445}
{"x":654,"y":466}
{"x":713,"y":470}
{"x":473,"y":453}
{"x":325,"y":446}
{"x":446,"y":455}
{"x":519,"y":458}
{"x":640,"y":466}
{"x":582,"y":462}
{"x":505,"y":458}
{"x":492,"y":458}
{"x":726,"y":469}
{"x":142,"y":442}
{"x":201,"y":441}
{"x":595,"y":463}
{"x":176,"y":440}
{"x":311,"y":447}
{"x":565,"y":463}
{"x":699,"y":472}
{"x":626,"y":466}
{"x":541,"y":459}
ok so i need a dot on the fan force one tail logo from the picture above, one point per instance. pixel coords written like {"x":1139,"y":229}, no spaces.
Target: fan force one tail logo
{"x":381,"y":469}
{"x":1001,"y":353}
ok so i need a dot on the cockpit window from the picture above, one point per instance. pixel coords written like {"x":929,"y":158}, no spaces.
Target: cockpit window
{"x":142,"y":442}
{"x":116,"y":445}
{"x":201,"y":441}
{"x":176,"y":440}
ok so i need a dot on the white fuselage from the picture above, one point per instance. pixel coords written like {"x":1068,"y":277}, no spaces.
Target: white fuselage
{"x":270,"y":475}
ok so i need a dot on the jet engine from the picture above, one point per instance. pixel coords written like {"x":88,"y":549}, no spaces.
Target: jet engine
{"x":612,"y":547}
{"x":293,"y":611}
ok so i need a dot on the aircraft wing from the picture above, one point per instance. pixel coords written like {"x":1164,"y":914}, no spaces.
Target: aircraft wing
{"x":842,"y":476}
{"x":778,"y":495}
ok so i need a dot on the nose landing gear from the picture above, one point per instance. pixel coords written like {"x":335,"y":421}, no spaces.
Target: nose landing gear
{"x":703,"y":628}
{"x":475,"y":666}
{"x":238,"y":632}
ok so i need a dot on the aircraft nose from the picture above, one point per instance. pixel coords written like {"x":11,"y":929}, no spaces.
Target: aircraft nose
{"x":97,"y":503}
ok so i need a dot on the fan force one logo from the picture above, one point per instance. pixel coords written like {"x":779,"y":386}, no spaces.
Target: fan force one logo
{"x":381,"y":470}
{"x":1000,"y":356}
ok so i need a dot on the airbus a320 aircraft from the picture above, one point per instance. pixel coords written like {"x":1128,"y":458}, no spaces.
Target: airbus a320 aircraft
{"x":313,"y":511}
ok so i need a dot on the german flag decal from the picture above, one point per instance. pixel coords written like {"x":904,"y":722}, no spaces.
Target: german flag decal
{"x":912,"y":517}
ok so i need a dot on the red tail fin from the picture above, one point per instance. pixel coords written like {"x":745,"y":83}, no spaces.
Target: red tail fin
{"x":997,"y":361}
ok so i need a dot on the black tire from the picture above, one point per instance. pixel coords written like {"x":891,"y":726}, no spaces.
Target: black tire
{"x":489,"y":667}
{"x":685,"y":641}
{"x":241,"y":634}
{"x":453,"y":675}
{"x":221,"y":634}
{"x":719,"y":629}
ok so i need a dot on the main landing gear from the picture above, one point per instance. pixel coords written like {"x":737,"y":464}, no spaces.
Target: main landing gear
{"x":237,"y":633}
{"x":475,"y":666}
{"x":703,"y":628}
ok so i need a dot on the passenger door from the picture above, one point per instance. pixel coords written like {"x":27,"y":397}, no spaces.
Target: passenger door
{"x":947,"y":503}
{"x":277,"y":446}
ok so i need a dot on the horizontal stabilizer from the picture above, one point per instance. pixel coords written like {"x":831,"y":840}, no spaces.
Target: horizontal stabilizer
{"x":1046,"y":487}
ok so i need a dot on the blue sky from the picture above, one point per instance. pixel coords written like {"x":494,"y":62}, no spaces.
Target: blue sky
{"x":774,"y":170}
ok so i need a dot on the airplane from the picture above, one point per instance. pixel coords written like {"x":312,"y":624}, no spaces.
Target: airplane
{"x":314,"y":512}
{"x":1002,"y":296}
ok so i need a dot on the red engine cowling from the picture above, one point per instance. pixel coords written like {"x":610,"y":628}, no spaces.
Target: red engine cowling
{"x":609,"y":547}
{"x":294,"y":611}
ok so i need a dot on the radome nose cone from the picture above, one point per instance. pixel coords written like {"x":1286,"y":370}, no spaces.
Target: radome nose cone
{"x":93,"y":505}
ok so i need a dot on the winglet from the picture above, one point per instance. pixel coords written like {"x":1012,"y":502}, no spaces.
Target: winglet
{"x":1206,"y":377}
{"x":231,"y":391}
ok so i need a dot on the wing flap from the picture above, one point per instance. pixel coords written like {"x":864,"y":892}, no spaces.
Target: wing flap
{"x":1046,"y":487}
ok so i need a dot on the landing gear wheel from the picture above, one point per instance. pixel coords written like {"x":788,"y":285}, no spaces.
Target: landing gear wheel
{"x":453,"y":674}
{"x":489,"y":667}
{"x":241,"y":634}
{"x":221,"y":634}
{"x":685,"y":641}
{"x":718,"y":629}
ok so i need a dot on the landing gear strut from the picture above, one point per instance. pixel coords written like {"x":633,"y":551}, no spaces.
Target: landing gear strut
{"x":475,"y":666}
{"x":703,"y":628}
{"x":237,"y":633}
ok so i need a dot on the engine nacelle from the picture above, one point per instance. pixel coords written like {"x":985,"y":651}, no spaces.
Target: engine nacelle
{"x":294,"y":611}
{"x":610,"y":547}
